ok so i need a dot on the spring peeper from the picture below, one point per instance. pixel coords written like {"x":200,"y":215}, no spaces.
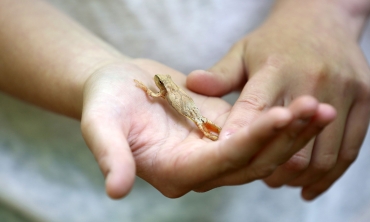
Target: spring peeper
{"x":182,"y":103}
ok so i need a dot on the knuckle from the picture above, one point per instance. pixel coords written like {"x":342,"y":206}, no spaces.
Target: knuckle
{"x":323,"y":74}
{"x":365,"y":85}
{"x":350,"y":84}
{"x":325,"y":163}
{"x":276,"y":61}
{"x":296,"y":164}
{"x":348,"y":155}
{"x":259,"y":172}
{"x":364,"y":90}
{"x":317,"y":75}
{"x":252,"y":101}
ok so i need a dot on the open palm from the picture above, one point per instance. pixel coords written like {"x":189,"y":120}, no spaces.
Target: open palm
{"x":126,"y":129}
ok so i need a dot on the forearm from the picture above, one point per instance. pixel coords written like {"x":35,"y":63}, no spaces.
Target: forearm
{"x":346,"y":17}
{"x":45,"y":57}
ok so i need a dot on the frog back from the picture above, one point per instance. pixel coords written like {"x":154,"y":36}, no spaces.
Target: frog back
{"x":183,"y":104}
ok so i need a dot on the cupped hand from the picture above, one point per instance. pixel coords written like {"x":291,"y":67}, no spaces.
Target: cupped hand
{"x":285,"y":58}
{"x":132,"y":134}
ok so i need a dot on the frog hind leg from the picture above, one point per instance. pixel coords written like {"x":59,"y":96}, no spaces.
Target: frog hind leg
{"x":207,"y":127}
{"x":212,"y":127}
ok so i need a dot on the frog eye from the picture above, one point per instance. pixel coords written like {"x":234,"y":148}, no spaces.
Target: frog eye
{"x":159,"y":80}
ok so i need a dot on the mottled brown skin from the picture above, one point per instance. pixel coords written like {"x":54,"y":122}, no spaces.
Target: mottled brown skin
{"x":182,"y":103}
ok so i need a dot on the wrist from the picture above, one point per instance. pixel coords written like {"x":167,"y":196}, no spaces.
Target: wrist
{"x":353,"y":13}
{"x":337,"y":17}
{"x":46,"y":57}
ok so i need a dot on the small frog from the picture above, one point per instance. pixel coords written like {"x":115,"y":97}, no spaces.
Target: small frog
{"x":182,"y":103}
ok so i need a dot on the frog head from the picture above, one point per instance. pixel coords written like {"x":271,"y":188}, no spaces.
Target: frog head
{"x":160,"y":82}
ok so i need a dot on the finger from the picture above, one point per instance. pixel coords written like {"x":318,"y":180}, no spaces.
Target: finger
{"x":292,"y":168}
{"x":279,"y":150}
{"x":299,"y":162}
{"x":324,"y":154}
{"x":106,"y":139}
{"x":260,"y":93}
{"x":325,"y":114}
{"x":354,"y":135}
{"x":310,"y":192}
{"x":303,"y":109}
{"x":225,"y":76}
{"x":237,"y":151}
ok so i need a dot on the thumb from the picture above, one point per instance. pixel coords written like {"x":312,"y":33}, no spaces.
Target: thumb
{"x":225,"y":76}
{"x":106,"y":140}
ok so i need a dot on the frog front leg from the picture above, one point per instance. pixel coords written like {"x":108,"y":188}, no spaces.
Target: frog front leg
{"x":161,"y":93}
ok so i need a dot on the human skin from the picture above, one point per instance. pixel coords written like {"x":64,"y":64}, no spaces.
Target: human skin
{"x":303,"y":48}
{"x":49,"y":60}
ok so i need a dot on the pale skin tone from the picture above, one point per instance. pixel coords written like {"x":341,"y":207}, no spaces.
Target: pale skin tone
{"x":56,"y":64}
{"x":303,"y":47}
